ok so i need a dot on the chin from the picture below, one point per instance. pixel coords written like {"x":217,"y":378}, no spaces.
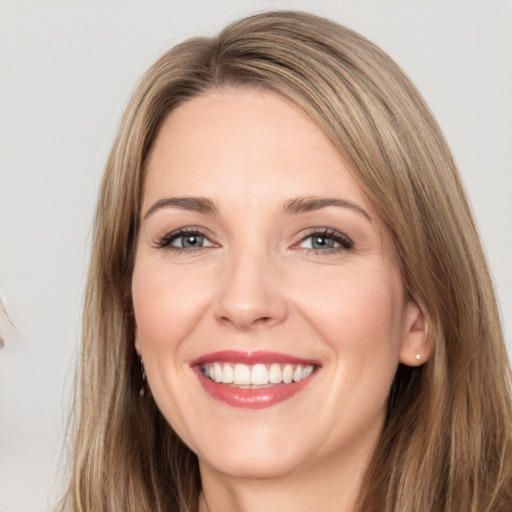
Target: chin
{"x":254,"y":464}
{"x":250,"y":453}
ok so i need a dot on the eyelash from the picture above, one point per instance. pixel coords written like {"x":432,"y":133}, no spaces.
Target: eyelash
{"x":166,"y":241}
{"x":345,"y":243}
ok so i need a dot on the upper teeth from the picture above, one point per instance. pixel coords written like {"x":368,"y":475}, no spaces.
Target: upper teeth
{"x":258,"y":374}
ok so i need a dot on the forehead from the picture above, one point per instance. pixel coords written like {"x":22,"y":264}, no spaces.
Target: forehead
{"x":245,"y":142}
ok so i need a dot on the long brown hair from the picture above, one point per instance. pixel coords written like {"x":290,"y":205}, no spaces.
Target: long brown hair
{"x":447,"y":442}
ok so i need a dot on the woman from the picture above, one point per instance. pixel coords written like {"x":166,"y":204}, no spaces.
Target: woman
{"x":288,"y":304}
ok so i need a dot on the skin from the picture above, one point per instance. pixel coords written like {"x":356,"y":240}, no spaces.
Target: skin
{"x":257,"y":284}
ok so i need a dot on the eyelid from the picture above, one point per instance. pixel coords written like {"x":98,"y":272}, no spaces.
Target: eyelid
{"x":346,"y":243}
{"x":164,"y":242}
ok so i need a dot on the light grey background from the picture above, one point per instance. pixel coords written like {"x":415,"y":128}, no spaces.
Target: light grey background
{"x":67,"y":70}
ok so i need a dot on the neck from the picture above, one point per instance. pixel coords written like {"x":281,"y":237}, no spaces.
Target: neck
{"x":328,"y":488}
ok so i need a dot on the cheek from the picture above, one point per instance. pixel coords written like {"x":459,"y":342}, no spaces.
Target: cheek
{"x":168,"y":304}
{"x":358,"y":312}
{"x":358,"y":316}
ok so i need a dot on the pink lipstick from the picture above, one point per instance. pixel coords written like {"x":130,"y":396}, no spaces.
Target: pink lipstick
{"x":253,"y":379}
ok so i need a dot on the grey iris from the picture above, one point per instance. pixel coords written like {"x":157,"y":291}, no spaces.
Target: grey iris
{"x":191,"y":241}
{"x":322,"y":242}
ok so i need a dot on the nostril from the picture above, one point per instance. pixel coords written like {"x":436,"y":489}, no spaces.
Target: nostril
{"x":261,"y":319}
{"x":247,"y":323}
{"x":264,"y":321}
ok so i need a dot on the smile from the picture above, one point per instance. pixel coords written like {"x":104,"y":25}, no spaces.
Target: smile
{"x":256,"y":375}
{"x":253,"y":379}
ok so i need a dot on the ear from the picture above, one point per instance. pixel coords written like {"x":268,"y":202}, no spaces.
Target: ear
{"x":416,"y":346}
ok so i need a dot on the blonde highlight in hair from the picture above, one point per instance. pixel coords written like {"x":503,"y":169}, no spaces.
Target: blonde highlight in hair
{"x":447,"y":441}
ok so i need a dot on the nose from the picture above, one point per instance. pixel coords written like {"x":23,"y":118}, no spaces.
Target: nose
{"x":251,"y":294}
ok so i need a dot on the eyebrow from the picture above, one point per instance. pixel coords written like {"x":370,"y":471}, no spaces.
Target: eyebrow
{"x":195,"y":204}
{"x":312,"y":203}
{"x":292,"y":206}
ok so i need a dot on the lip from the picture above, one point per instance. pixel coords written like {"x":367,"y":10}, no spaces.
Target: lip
{"x":251,"y":398}
{"x":255,"y":357}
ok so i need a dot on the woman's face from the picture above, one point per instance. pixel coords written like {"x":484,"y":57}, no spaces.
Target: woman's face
{"x":270,"y":312}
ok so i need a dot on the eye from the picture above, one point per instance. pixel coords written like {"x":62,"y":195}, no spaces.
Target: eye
{"x":184,"y":239}
{"x":190,"y":241}
{"x":326,"y":241}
